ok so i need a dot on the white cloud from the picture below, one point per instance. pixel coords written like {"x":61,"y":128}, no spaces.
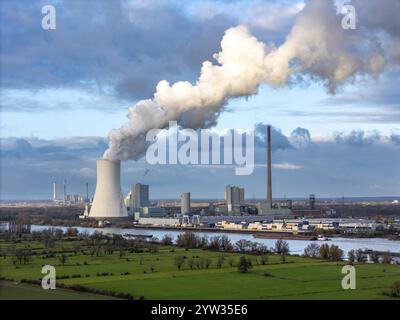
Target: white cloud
{"x":272,"y":16}
{"x":286,"y":166}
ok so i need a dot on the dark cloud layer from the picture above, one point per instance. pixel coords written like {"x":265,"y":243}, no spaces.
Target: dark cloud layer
{"x":125,"y":47}
{"x":355,"y":164}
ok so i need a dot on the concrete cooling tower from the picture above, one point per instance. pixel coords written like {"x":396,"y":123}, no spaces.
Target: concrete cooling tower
{"x":108,"y":200}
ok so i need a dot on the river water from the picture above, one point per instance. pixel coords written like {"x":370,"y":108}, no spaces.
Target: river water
{"x":296,"y":246}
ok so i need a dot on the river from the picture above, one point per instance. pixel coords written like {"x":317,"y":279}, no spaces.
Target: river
{"x":296,"y":246}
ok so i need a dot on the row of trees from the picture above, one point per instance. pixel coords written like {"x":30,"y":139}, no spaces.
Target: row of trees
{"x":96,"y":244}
{"x":243,"y":265}
{"x":376,"y":257}
{"x":334,"y":253}
{"x":190,"y":240}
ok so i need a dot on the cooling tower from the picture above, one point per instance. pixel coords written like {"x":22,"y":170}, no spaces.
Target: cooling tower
{"x":108,"y":200}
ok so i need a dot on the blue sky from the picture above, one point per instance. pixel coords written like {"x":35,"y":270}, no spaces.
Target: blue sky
{"x":63,"y":90}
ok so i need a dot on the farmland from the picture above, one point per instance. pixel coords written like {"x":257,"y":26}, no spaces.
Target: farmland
{"x":150,"y":271}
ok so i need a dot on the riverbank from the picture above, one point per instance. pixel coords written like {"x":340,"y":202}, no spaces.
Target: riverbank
{"x":255,"y":233}
{"x":88,"y":223}
{"x":296,"y":246}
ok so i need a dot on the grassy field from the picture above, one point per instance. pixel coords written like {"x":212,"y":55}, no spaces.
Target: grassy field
{"x":21,"y":291}
{"x":155,"y":276}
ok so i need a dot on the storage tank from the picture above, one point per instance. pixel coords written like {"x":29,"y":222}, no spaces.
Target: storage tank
{"x":185,"y":202}
{"x":108,"y":200}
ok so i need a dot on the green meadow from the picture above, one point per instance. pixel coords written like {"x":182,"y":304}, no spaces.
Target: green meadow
{"x":155,"y":275}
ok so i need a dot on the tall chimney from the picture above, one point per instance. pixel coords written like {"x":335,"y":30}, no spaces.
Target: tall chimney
{"x":54,"y":192}
{"x":269,"y":181}
{"x":87,"y":192}
{"x":65,"y":190}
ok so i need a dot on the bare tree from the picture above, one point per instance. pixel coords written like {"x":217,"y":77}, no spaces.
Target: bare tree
{"x":351,"y":255}
{"x":208,"y":262}
{"x":360,"y":256}
{"x":312,"y":250}
{"x":63,"y":259}
{"x":375,"y":256}
{"x":387,"y":259}
{"x":324,"y":251}
{"x":244,"y":264}
{"x":282,"y":248}
{"x":263,"y":259}
{"x":190,"y":263}
{"x":220,"y":261}
{"x":335,"y":253}
{"x":166,"y":240}
{"x":179,"y":261}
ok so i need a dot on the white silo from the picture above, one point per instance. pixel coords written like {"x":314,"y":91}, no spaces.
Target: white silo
{"x":185,"y":202}
{"x":108,"y":200}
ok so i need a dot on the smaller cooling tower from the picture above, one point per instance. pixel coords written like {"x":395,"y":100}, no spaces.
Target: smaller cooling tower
{"x":108,"y":200}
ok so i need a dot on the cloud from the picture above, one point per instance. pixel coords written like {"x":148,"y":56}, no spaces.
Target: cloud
{"x":300,"y":137}
{"x":279,"y":141}
{"x":119,"y":48}
{"x":357,"y":138}
{"x":272,"y":16}
{"x":348,"y":163}
{"x":286,"y":166}
{"x":395,"y":138}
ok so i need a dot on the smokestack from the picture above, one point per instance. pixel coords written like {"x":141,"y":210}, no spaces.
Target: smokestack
{"x":65,"y":189}
{"x":87,"y":192}
{"x":269,"y":178}
{"x":54,"y":192}
{"x":108,"y":200}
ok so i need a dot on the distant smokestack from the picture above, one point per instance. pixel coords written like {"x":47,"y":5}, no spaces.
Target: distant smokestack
{"x":65,"y":189}
{"x":269,"y":179}
{"x":54,"y":192}
{"x":108,"y":201}
{"x":87,"y":192}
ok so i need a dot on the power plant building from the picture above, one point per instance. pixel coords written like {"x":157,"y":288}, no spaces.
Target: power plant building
{"x":234,"y":198}
{"x":139,"y":196}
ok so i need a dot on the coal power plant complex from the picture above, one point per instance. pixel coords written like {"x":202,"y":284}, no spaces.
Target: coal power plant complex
{"x":109,"y":204}
{"x":266,"y":217}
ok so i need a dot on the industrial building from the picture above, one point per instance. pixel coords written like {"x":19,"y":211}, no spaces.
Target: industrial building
{"x":108,"y":201}
{"x":300,"y":225}
{"x":170,"y":222}
{"x":139,"y":196}
{"x":234,"y":198}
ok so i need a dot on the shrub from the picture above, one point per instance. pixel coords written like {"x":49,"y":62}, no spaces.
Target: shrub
{"x":263,"y":259}
{"x":244,"y":265}
{"x":179,"y":261}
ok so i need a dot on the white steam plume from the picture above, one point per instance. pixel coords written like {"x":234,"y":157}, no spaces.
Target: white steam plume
{"x":316,"y":46}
